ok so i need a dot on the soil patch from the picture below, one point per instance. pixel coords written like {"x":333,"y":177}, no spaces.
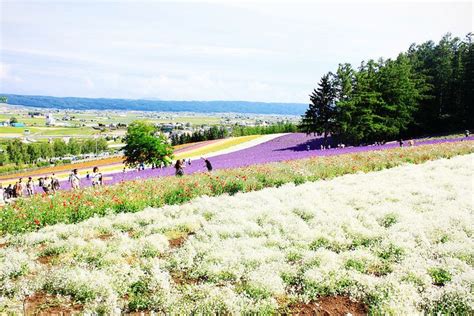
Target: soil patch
{"x":40,"y":304}
{"x":104,"y":236}
{"x":178,"y":242}
{"x":45,"y":259}
{"x":330,"y":306}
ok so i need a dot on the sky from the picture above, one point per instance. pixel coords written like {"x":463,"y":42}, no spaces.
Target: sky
{"x":271,"y":51}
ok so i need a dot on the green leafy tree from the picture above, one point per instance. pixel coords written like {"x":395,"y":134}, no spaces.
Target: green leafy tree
{"x":400,"y":93}
{"x":101,"y":144}
{"x":74,"y":147}
{"x":17,"y":152}
{"x":89,"y":146}
{"x":145,"y":144}
{"x":34,"y":152}
{"x":13,"y":120}
{"x":46,"y":150}
{"x":4,"y":159}
{"x":321,"y":115}
{"x":60,"y":148}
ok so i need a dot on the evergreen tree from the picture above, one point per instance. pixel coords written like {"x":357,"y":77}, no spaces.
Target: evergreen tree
{"x":321,"y":115}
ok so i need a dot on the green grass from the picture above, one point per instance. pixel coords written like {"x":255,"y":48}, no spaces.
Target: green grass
{"x":49,"y":131}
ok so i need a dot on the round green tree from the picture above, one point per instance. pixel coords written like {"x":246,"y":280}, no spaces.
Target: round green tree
{"x":145,"y":144}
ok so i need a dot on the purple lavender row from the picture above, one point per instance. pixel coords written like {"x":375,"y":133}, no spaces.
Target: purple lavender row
{"x":287,"y":147}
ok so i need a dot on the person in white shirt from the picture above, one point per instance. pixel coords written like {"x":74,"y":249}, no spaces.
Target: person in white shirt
{"x":96,"y":177}
{"x":74,"y":180}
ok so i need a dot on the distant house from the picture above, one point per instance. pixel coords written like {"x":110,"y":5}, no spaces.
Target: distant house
{"x":50,"y":121}
{"x":18,"y":124}
{"x":5,"y":124}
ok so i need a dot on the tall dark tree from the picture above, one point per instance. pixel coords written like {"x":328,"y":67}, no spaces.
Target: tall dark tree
{"x":359,"y":116}
{"x":468,"y":84}
{"x":320,"y":118}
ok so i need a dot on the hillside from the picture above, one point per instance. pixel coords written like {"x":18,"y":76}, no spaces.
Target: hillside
{"x":157,"y":105}
{"x":396,"y":242}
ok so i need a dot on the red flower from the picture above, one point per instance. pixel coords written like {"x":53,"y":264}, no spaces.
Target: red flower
{"x":37,"y":222}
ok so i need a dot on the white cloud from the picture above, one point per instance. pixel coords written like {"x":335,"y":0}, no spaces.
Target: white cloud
{"x":6,"y":74}
{"x":247,"y":50}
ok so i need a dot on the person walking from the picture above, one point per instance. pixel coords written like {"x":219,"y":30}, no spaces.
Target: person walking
{"x":54,"y":183}
{"x":18,"y":188}
{"x":8,"y":192}
{"x":179,"y":168}
{"x":96,"y":177}
{"x":400,"y":142}
{"x":45,"y":184}
{"x":467,"y":133}
{"x":208,"y":164}
{"x":74,"y":180}
{"x":30,"y":187}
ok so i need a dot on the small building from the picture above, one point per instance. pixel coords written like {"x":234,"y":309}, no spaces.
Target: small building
{"x":50,"y":121}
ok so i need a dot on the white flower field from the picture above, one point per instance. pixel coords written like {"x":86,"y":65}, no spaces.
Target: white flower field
{"x":399,"y":241}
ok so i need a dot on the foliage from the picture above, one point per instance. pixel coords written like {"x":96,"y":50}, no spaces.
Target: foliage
{"x":144,"y":144}
{"x":29,"y":214}
{"x":280,"y":127}
{"x":215,"y":132}
{"x":212,"y":133}
{"x":320,"y":118}
{"x":20,"y":153}
{"x":426,"y":90}
{"x":440,"y":276}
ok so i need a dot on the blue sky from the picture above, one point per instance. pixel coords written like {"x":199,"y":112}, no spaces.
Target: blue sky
{"x":248,"y":50}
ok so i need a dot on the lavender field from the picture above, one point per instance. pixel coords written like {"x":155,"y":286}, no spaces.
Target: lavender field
{"x":287,"y":147}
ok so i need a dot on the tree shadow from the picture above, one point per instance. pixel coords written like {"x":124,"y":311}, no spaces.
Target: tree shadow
{"x":314,"y":144}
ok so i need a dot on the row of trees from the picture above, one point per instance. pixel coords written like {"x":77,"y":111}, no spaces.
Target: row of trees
{"x":428,"y":89}
{"x":17,"y":152}
{"x":213,"y":132}
{"x":280,"y":127}
{"x":221,"y":132}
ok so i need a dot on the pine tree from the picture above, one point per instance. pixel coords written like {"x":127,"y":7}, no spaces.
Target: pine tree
{"x":321,"y":115}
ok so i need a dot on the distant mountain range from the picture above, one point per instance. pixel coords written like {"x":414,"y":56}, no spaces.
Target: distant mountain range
{"x":156,"y":105}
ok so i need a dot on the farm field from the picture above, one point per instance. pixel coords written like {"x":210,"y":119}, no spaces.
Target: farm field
{"x":396,"y":241}
{"x":49,"y":131}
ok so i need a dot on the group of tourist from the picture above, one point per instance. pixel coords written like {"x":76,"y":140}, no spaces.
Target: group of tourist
{"x":48,"y":184}
{"x":21,"y":188}
{"x":181,"y":164}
